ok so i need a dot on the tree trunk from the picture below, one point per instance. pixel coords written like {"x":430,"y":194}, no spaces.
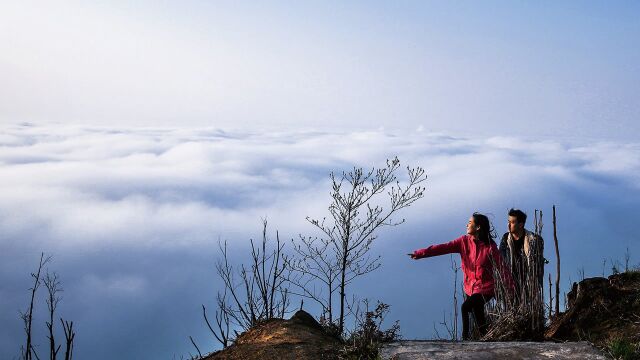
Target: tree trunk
{"x":345,"y":254}
{"x":342,"y":284}
{"x":330,"y":298}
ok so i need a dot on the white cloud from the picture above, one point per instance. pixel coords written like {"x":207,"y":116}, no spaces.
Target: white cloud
{"x":88,"y":185}
{"x":144,"y":195}
{"x":114,"y":285}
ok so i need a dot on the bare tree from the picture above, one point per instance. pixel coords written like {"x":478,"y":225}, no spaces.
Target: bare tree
{"x":52,"y":283}
{"x":581,"y":273}
{"x":455,"y":268}
{"x":70,"y":336}
{"x":343,"y":254}
{"x":251,"y":293}
{"x":627,"y":257}
{"x":27,"y":316}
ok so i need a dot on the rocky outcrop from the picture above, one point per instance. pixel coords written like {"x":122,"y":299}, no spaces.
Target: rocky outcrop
{"x":600,"y":310}
{"x":300,"y":337}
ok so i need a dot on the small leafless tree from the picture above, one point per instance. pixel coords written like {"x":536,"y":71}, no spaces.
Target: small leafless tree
{"x":343,"y":253}
{"x":70,"y":336}
{"x":448,"y":326}
{"x":27,"y":316}
{"x":252,"y":293}
{"x":581,"y":273}
{"x":627,"y":257}
{"x":52,"y":283}
{"x":615,"y":266}
{"x":455,"y":268}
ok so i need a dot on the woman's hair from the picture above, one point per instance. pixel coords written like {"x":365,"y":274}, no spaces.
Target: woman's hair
{"x":486,"y":233}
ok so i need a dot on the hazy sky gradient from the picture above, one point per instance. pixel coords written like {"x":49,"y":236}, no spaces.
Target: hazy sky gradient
{"x":494,"y":68}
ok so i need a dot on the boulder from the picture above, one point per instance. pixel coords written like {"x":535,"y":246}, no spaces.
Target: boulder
{"x":600,"y":310}
{"x":300,"y":337}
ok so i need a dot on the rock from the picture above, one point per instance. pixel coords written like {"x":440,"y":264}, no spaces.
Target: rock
{"x":304,"y":318}
{"x":300,"y":337}
{"x":600,"y":310}
{"x":445,"y":350}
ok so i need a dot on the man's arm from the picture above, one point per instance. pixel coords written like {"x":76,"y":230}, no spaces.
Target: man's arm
{"x":540,"y":259}
{"x":504,"y":246}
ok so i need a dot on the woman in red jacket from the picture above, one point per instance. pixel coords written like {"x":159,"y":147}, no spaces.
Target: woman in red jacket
{"x":476,"y":249}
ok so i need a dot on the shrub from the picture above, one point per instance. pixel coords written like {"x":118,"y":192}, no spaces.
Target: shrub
{"x":623,"y":349}
{"x":366,"y":339}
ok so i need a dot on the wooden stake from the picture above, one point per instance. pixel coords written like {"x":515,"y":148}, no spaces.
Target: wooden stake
{"x":550,"y":297}
{"x":555,"y":239}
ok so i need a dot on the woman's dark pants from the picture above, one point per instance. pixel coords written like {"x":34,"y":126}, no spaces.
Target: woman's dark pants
{"x":474,"y":303}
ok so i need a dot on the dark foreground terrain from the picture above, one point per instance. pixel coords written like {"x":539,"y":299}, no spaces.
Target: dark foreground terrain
{"x":601,"y":312}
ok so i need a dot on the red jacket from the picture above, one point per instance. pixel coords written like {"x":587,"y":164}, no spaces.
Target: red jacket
{"x":476,"y":263}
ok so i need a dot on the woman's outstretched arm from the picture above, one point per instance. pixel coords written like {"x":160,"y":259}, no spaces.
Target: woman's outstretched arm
{"x":454,"y":246}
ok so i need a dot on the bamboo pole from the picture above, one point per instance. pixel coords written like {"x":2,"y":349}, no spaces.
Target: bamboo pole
{"x":550,"y":297}
{"x":555,"y":240}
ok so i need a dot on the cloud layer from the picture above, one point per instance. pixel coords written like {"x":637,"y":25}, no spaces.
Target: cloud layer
{"x":132,"y":217}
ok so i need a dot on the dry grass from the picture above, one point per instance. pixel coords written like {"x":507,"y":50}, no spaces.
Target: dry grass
{"x":519,"y":314}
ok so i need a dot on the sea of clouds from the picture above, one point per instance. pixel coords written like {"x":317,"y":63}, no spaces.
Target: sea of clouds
{"x":132,"y":218}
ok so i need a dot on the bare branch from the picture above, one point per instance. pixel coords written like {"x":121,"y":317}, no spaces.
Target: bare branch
{"x":196,"y":346}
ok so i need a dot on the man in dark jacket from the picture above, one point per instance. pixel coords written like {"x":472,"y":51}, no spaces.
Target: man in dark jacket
{"x":523,"y":251}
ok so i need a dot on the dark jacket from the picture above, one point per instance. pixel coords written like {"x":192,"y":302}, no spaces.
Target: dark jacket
{"x":532,"y":253}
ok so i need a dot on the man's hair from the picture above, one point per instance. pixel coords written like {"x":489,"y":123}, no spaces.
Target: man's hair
{"x":520,"y":216}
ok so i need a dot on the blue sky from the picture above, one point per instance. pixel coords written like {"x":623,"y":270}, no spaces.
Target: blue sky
{"x":134,"y":136}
